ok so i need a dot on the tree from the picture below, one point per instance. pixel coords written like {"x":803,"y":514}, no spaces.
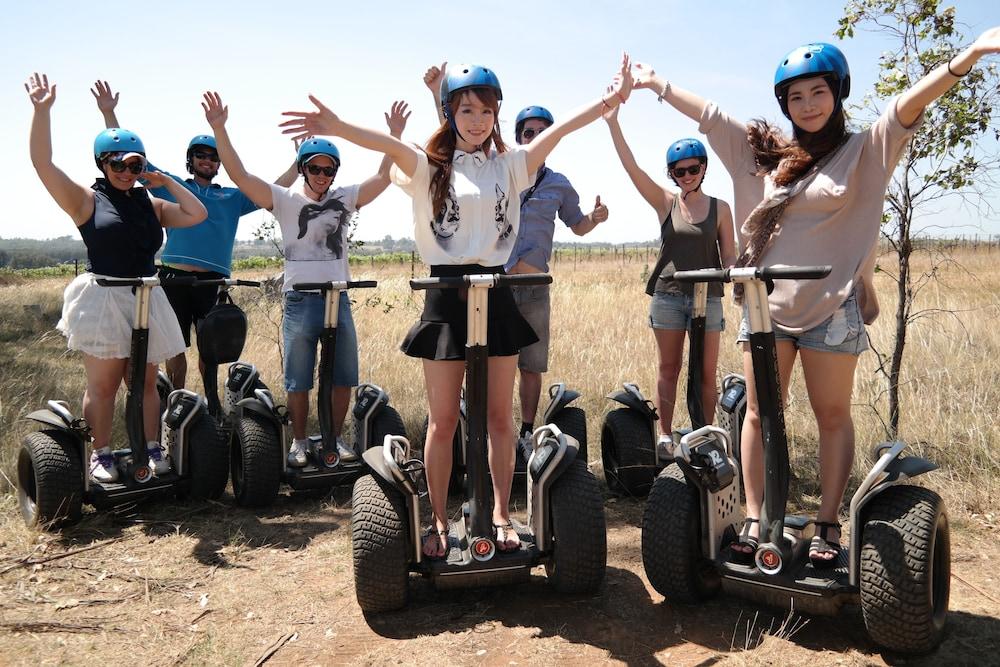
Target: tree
{"x":944,"y":159}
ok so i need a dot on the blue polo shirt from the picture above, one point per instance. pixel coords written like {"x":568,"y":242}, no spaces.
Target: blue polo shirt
{"x":209,"y":244}
{"x":552,"y":195}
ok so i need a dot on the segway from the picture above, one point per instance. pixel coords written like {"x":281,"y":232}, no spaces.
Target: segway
{"x":629,"y":434}
{"x":53,"y":481}
{"x":898,"y":564}
{"x":262,"y":428}
{"x":565,"y":529}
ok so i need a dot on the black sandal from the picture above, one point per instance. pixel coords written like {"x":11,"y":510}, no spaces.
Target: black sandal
{"x":745,"y":540}
{"x":503,"y":529}
{"x":820,"y":544}
{"x":432,"y":532}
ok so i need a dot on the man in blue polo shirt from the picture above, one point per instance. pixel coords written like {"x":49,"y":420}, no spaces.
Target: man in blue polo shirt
{"x":550,"y":194}
{"x":204,"y":251}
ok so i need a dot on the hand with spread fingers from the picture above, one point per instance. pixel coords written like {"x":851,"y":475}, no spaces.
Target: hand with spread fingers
{"x":303,"y":124}
{"x":396,"y":118}
{"x":215,"y":112}
{"x":41,"y":95}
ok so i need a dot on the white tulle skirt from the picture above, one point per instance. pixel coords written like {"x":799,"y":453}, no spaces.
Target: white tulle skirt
{"x":98,"y":321}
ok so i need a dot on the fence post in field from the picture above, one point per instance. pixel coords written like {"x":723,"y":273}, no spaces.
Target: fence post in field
{"x":76,"y":267}
{"x":413,"y":261}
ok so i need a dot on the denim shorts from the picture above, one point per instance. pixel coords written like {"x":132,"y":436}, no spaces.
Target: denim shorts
{"x":673,"y":311}
{"x":843,"y":332}
{"x":301,"y":328}
{"x":533,"y":302}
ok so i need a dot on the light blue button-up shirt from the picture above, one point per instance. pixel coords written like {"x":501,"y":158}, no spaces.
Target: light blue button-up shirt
{"x":552,"y":195}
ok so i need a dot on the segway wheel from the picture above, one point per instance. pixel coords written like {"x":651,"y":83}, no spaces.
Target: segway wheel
{"x":573,"y":421}
{"x":49,"y":480}
{"x":579,"y":534}
{"x":628,"y":453}
{"x":255,"y":461}
{"x":386,"y":422}
{"x":671,"y":539}
{"x":208,"y":458}
{"x":906,"y":569}
{"x":379,"y":530}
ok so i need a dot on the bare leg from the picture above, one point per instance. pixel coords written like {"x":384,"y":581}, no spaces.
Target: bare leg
{"x":669,"y":350}
{"x":830,"y":381}
{"x":530,"y":391}
{"x":751,"y":443}
{"x":709,"y":388}
{"x":443,"y":383}
{"x":104,"y":376}
{"x":298,"y":412}
{"x":177,"y":370}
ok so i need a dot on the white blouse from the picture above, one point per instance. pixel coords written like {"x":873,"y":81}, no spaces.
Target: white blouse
{"x":482,"y":212}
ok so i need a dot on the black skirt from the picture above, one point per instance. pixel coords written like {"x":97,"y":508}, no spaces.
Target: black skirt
{"x":441,"y":332}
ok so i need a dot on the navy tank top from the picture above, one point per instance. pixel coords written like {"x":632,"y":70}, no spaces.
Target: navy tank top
{"x":123,"y":234}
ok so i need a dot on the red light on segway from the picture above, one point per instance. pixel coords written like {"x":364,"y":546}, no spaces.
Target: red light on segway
{"x":768,"y":560}
{"x":142,"y":474}
{"x":330,"y":459}
{"x":483,"y":549}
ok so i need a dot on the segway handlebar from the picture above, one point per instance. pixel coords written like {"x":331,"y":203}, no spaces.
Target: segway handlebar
{"x":333,"y":284}
{"x":229,"y":282}
{"x":152,"y":281}
{"x":743,"y":274}
{"x":446,"y":282}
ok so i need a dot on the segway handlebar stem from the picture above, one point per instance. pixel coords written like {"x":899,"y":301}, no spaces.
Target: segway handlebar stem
{"x":487,"y":279}
{"x":334,"y":285}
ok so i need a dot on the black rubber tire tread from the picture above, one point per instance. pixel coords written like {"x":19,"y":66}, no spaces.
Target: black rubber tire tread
{"x":905,"y":556}
{"x":386,"y":422}
{"x":628,"y":453}
{"x":379,"y":529}
{"x":579,"y":532}
{"x":49,"y":469}
{"x":671,"y":539}
{"x":573,"y":421}
{"x":256,"y":450}
{"x":208,"y":458}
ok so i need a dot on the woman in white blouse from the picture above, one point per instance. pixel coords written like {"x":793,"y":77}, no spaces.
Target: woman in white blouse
{"x":465,"y":185}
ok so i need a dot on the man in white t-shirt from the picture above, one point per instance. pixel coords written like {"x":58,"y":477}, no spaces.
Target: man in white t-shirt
{"x":314,"y":220}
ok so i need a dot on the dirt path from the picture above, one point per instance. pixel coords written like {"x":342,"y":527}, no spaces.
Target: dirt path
{"x":212,"y":584}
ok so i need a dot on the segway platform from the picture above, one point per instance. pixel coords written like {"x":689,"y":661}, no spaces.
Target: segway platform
{"x":314,"y":476}
{"x":460,"y":569}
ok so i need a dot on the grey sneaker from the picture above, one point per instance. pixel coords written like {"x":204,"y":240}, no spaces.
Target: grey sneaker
{"x":525,"y":445}
{"x":346,"y":453}
{"x":665,"y":448}
{"x":102,"y":466}
{"x":157,"y":461}
{"x":297,"y":455}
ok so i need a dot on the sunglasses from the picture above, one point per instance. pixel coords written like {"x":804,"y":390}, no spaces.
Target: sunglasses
{"x":679,"y":172}
{"x":316,"y":170}
{"x":211,"y":157}
{"x":528,"y":132}
{"x":118,"y":166}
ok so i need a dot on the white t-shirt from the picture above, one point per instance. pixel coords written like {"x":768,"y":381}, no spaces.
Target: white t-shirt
{"x":314,"y":233}
{"x":482,"y":212}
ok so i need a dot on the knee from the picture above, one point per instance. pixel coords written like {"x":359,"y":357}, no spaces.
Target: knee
{"x":499,"y":422}
{"x":103,"y":388}
{"x":669,"y":371}
{"x":442,"y":425}
{"x":833,"y":417}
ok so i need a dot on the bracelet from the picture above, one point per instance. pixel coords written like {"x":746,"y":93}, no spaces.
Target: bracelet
{"x":663,"y":93}
{"x":957,"y":76}
{"x":620,"y":97}
{"x":606,"y":105}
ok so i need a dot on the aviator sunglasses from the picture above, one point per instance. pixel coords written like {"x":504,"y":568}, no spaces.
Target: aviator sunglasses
{"x":679,"y":172}
{"x":211,"y":157}
{"x":118,"y":166}
{"x":316,"y":170}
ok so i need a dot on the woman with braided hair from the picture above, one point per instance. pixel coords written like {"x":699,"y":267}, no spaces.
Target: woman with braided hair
{"x":813,"y":198}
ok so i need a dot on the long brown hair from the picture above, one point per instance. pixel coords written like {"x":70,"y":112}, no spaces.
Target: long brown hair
{"x":788,"y":159}
{"x":440,"y":147}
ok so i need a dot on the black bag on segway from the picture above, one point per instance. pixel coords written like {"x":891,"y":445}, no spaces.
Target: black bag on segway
{"x":223,"y":332}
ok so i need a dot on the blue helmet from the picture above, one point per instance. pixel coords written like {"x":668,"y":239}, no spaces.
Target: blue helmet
{"x":203,"y":140}
{"x":817,"y":59}
{"x":117,"y":140}
{"x":528,"y":113}
{"x":463,"y":77}
{"x":313,"y":147}
{"x":682,"y":149}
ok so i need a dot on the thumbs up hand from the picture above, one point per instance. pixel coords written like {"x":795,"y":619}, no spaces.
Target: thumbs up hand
{"x":600,"y":212}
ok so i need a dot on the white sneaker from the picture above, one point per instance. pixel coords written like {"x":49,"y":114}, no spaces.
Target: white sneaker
{"x":345,"y":453}
{"x":297,"y":455}
{"x":665,"y":447}
{"x":157,"y":461}
{"x":102,"y":466}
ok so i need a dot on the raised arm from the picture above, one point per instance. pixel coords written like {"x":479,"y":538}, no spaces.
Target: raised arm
{"x":650,"y":190}
{"x":911,"y":104}
{"x":396,"y":119}
{"x":187,"y":212}
{"x":106,"y":102}
{"x":432,"y":79}
{"x":538,"y":150}
{"x":324,"y":122}
{"x":253,"y":187}
{"x":684,"y":101}
{"x":287,"y":179}
{"x":71,"y":197}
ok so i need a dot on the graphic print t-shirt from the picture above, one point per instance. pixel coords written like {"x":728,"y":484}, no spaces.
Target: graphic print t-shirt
{"x":314,"y":233}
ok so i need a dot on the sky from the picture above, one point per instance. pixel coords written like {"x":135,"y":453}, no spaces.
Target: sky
{"x":265,"y":57}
